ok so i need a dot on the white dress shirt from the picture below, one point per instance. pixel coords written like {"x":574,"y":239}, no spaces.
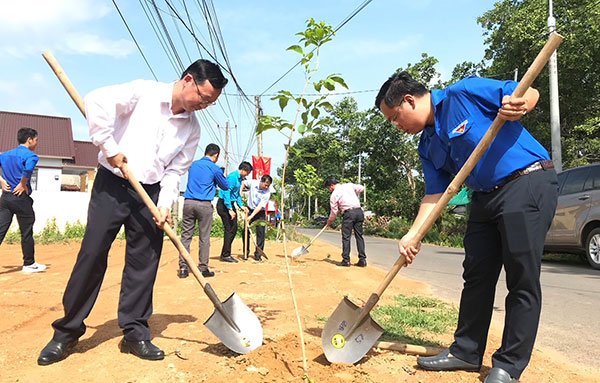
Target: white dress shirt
{"x":257,"y":197}
{"x":135,"y":119}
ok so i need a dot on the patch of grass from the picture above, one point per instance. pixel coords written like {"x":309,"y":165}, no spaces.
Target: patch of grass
{"x":416,"y":320}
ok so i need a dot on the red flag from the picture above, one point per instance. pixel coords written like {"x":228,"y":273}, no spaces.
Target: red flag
{"x":261,"y":166}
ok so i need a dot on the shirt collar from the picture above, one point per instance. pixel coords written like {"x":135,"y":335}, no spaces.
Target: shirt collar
{"x":166,"y":97}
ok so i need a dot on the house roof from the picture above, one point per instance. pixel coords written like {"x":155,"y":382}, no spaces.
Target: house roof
{"x":55,"y":133}
{"x":86,"y":155}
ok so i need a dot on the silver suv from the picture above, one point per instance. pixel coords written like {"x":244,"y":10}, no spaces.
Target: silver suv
{"x":576,"y":224}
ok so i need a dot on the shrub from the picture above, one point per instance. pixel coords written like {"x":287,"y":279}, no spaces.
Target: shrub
{"x":50,"y":233}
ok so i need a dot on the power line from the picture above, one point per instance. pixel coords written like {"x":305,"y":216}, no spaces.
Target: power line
{"x":344,"y":22}
{"x":134,"y":40}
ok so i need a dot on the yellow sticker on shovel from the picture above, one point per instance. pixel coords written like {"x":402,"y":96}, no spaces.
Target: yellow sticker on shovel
{"x":338,"y":341}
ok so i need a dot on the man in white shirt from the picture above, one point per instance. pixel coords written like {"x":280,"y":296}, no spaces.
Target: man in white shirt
{"x":259,"y":193}
{"x":151,"y":127}
{"x":344,"y":199}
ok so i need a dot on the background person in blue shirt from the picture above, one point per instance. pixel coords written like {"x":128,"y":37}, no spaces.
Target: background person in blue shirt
{"x":203,"y":177}
{"x":227,"y":210}
{"x":514,"y":198}
{"x":17,"y":166}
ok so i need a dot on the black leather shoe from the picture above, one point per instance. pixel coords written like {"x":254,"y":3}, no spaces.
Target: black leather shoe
{"x":344,"y":264}
{"x":258,"y":258}
{"x":444,"y":361}
{"x":183,"y":272}
{"x":361,"y":263}
{"x":54,"y":352}
{"x":229,"y":259}
{"x":498,"y":375}
{"x":207,"y":273}
{"x":142,"y":349}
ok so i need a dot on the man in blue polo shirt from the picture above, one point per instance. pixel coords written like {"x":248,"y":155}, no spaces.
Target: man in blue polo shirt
{"x":226,"y":208}
{"x":203,"y":177}
{"x":514,"y":198}
{"x":17,"y":166}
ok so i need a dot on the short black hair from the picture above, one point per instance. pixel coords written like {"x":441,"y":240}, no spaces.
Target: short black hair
{"x":330,"y":181}
{"x":266,"y":178}
{"x":26,"y":133}
{"x":211,"y":150}
{"x":202,"y":70}
{"x":245,"y":165}
{"x":394,"y":89}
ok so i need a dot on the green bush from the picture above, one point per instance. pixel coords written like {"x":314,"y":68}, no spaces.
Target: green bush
{"x":74,"y":231}
{"x":13,"y":237}
{"x":447,"y":231}
{"x":50,"y":233}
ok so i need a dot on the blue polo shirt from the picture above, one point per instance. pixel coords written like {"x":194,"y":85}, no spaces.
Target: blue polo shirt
{"x":233,"y":194}
{"x":203,"y":177}
{"x":16,"y":164}
{"x":463,"y":113}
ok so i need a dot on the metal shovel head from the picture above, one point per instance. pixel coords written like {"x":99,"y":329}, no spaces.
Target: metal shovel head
{"x":250,"y":335}
{"x":341,"y":347}
{"x":299,"y":251}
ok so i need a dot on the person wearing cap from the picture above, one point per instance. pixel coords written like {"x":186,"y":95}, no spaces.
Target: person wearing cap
{"x":515,"y":192}
{"x":344,"y":200}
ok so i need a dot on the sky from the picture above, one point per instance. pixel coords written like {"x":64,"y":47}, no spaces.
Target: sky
{"x":91,"y":42}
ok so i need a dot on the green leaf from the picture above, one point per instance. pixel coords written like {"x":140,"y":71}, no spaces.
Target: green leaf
{"x":297,"y":49}
{"x":283,"y":103}
{"x":315,"y":113}
{"x":326,"y":105}
{"x":301,"y":128}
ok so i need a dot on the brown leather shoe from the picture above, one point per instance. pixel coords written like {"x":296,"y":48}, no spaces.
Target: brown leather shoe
{"x":55,"y":352}
{"x":143,"y":349}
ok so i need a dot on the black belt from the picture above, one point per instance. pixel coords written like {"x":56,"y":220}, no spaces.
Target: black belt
{"x":534,"y":167}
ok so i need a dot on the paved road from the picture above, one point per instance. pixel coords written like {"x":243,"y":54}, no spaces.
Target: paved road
{"x":571,"y":293}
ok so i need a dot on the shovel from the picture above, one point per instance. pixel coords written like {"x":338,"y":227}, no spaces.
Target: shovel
{"x":253,"y":238}
{"x":350,"y":331}
{"x":232,"y":321}
{"x":245,"y":241}
{"x":303,"y":250}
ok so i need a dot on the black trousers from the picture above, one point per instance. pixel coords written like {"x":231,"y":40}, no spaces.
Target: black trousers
{"x":22,"y":207}
{"x":260,"y":233}
{"x":114,"y":203}
{"x":506,"y":228}
{"x":230,"y":227}
{"x":352,"y":221}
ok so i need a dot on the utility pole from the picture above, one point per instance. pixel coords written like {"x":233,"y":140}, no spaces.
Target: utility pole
{"x":227,"y":148}
{"x":359,"y":167}
{"x":259,"y":144}
{"x":554,"y":105}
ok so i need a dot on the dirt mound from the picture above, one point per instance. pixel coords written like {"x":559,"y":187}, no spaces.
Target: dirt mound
{"x":29,"y":304}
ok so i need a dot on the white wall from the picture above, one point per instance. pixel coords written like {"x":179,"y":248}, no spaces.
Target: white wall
{"x":62,"y":205}
{"x":48,"y":174}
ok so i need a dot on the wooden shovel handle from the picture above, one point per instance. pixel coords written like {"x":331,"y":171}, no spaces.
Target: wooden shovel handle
{"x":64,"y":80}
{"x":534,"y":70}
{"x":317,"y":236}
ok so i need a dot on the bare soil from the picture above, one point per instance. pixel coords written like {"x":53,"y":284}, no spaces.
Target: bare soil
{"x":29,"y":303}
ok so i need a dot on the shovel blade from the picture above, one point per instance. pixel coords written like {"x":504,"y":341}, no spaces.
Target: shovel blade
{"x":341,"y":347}
{"x":250,"y":335}
{"x":299,"y":251}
